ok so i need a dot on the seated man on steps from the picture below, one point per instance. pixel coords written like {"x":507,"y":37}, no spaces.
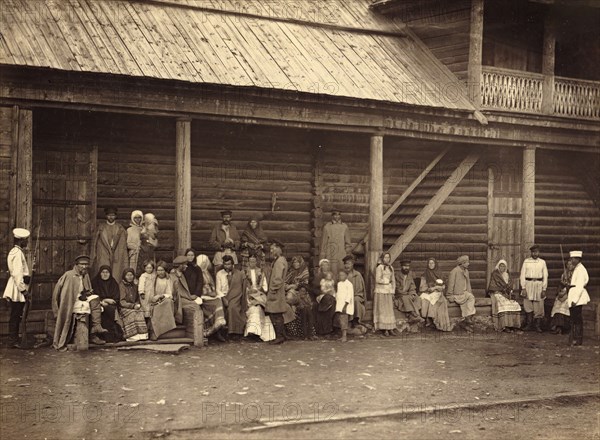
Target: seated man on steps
{"x":406,"y":298}
{"x":188,"y":305}
{"x":460,"y":292}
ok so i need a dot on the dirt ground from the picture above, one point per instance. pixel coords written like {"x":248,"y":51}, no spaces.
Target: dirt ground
{"x":219,"y":391}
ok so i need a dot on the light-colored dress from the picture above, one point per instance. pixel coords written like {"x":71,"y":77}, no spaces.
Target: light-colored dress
{"x":383,"y":298}
{"x":257,"y":322}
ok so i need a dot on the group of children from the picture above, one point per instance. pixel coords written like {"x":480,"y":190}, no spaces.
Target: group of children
{"x":342,"y":298}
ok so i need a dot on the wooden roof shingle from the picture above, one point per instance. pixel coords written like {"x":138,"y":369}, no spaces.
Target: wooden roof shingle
{"x":334,"y":47}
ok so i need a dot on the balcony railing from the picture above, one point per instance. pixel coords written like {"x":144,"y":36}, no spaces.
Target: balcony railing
{"x":523,"y":92}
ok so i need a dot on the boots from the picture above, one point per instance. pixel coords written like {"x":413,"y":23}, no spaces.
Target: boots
{"x":96,"y":318}
{"x":528,"y":322}
{"x":538,"y":325}
{"x":94,"y":339}
{"x":279,"y":326}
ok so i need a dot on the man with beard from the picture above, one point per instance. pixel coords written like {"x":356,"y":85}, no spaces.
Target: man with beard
{"x":188,"y":310}
{"x":109,"y":246}
{"x":460,"y":292}
{"x":73,"y":294}
{"x":224,"y":232}
{"x":276,"y":303}
{"x":534,"y":282}
{"x":230,"y":284}
{"x":407,"y":300}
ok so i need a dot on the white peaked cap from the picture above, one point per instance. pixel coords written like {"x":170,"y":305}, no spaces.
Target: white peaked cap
{"x":21,"y":233}
{"x":576,"y":254}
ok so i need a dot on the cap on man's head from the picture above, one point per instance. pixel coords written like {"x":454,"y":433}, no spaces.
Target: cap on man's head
{"x":82,"y":259}
{"x":21,"y":233}
{"x":404,"y":261}
{"x":110,"y":210}
{"x":225,"y":212}
{"x":180,"y":260}
{"x":462,"y":259}
{"x":349,"y":257}
{"x":277,"y":243}
{"x":535,"y":247}
{"x":576,"y":254}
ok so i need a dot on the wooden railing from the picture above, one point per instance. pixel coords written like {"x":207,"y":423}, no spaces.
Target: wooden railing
{"x":511,"y":90}
{"x":576,"y":98}
{"x":523,"y":92}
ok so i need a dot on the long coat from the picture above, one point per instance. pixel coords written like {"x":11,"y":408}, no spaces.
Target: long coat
{"x":115,"y":256}
{"x":459,"y":281}
{"x":65,"y":293}
{"x":276,"y":302}
{"x":17,"y":266}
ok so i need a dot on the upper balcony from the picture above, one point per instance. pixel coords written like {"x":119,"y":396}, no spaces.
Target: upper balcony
{"x":528,"y":92}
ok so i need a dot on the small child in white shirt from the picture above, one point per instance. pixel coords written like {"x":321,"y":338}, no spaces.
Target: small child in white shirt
{"x":145,"y":284}
{"x":344,"y":304}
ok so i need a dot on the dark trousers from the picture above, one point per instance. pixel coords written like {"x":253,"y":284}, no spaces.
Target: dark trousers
{"x":278,"y":324}
{"x":16,"y":311}
{"x":576,"y":324}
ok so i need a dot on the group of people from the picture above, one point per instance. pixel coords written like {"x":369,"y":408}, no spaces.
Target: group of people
{"x":263,"y":297}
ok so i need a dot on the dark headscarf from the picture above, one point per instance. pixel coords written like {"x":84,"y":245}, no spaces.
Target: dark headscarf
{"x":431,"y":275}
{"x":193,"y":275}
{"x":254,"y":236}
{"x":105,"y":289}
{"x":300,"y":275}
{"x":125,"y":272}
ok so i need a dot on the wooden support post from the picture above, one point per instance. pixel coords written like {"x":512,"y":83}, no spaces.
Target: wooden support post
{"x":22,"y":169}
{"x":199,"y":328}
{"x":475,"y":52}
{"x":528,"y":201}
{"x":548,"y":61}
{"x":375,"y":243}
{"x":183,"y":185}
{"x":82,"y":332}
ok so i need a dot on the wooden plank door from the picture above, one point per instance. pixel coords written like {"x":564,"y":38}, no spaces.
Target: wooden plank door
{"x":64,"y":210}
{"x":504,"y":217}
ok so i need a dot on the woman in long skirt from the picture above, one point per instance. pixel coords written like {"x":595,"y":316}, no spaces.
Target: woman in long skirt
{"x":383,"y":298}
{"x":130,"y":309}
{"x":434,"y":305}
{"x":161,"y":302}
{"x":506,"y":312}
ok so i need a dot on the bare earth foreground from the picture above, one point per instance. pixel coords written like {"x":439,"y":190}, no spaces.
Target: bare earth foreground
{"x":421,"y":386}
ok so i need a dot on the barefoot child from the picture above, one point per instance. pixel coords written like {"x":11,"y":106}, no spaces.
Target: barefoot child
{"x":344,"y":305}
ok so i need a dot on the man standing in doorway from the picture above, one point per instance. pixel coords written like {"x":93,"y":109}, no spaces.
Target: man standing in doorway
{"x":109,"y":247}
{"x":534,"y":281}
{"x":335,"y":242}
{"x":17,"y":287}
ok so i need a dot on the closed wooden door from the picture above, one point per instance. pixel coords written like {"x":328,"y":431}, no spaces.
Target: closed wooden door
{"x":504,"y":216}
{"x":64,"y":210}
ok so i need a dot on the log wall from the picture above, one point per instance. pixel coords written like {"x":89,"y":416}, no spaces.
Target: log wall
{"x":5,"y":167}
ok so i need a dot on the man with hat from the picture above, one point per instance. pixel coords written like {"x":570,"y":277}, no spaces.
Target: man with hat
{"x":534,"y":281}
{"x":71,"y":293}
{"x":460,"y":292}
{"x":276,"y":303}
{"x":109,"y":246}
{"x":406,"y":298}
{"x":224,"y":232}
{"x":335,"y":241}
{"x":577,"y":297}
{"x":17,"y":287}
{"x":358,"y":283}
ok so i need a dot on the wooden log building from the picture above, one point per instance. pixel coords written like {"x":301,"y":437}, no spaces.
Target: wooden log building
{"x":438,"y":128}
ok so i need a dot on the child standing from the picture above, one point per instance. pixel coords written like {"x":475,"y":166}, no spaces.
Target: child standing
{"x":146,"y":286}
{"x":344,"y":305}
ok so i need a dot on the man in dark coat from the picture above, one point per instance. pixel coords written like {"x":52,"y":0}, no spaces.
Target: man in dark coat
{"x":225,"y":232}
{"x":276,"y":303}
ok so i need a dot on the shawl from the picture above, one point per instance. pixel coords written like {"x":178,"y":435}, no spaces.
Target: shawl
{"x":298,"y":276}
{"x":500,"y":282}
{"x":128,"y":292}
{"x":106,"y":289}
{"x":254,"y":236}
{"x":431,"y":275}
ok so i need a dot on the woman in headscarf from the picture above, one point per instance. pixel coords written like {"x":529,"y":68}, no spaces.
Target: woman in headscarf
{"x":161,"y":303}
{"x":130,"y":309}
{"x":134,"y":240}
{"x":212,"y":305}
{"x":383,"y":298}
{"x":296,"y":290}
{"x":324,"y":308}
{"x":434,"y":305}
{"x":253,"y":241}
{"x":561,"y":316}
{"x":107,"y":289}
{"x":148,"y":242}
{"x":193,"y":274}
{"x":506,"y":312}
{"x":255,"y":286}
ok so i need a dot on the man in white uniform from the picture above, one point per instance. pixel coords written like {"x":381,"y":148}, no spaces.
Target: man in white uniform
{"x":534,"y":282}
{"x":578,"y":297}
{"x":17,"y":288}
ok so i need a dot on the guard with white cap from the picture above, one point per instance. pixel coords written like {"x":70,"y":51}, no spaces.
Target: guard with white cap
{"x":577,"y":297}
{"x":17,"y":287}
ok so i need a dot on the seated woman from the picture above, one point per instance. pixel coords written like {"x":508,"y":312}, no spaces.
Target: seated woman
{"x":506,"y":312}
{"x":561,"y":316}
{"x":212,"y":305}
{"x":434,"y":305}
{"x":107,"y":289}
{"x":255,"y":287}
{"x":253,"y":242}
{"x":130,"y":309}
{"x":161,"y":304}
{"x":296,"y":289}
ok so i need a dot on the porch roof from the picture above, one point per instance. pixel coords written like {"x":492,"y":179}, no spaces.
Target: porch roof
{"x":332,"y":48}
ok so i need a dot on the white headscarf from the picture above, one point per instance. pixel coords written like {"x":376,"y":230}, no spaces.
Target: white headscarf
{"x":504,"y":274}
{"x":135,"y":214}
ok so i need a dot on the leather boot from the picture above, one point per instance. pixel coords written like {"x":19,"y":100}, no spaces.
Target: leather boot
{"x":94,"y":339}
{"x":538,"y":325}
{"x":528,"y":322}
{"x":279,"y":326}
{"x":96,"y":318}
